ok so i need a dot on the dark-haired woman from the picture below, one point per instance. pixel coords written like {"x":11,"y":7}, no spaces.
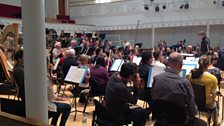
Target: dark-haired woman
{"x":99,"y":76}
{"x":203,"y":77}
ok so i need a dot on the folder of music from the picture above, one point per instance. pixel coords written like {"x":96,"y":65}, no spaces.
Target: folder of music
{"x":116,"y":66}
{"x":153,"y":71}
{"x":76,"y":75}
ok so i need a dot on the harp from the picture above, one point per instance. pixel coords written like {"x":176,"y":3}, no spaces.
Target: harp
{"x":5,"y":66}
{"x":10,"y":29}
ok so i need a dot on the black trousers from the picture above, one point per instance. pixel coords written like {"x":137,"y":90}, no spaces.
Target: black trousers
{"x":137,"y":115}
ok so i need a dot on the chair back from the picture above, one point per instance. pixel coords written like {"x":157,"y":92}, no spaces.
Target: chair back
{"x":199,"y":94}
{"x":96,"y":89}
{"x":100,"y":110}
{"x":171,"y":111}
{"x":13,"y":107}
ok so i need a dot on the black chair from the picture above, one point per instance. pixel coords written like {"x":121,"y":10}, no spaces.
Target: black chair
{"x":100,"y":116}
{"x":170,"y":112}
{"x":95,"y":91}
{"x":200,"y":99}
{"x":14,"y":107}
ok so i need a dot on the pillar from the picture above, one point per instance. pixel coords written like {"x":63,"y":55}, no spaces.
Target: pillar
{"x":35,"y":65}
{"x":153,"y":37}
{"x":67,"y":7}
{"x":208,"y":30}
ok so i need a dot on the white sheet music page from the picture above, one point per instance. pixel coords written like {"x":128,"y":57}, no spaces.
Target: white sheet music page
{"x":122,"y":62}
{"x":79,"y":76}
{"x":116,"y":65}
{"x":153,"y":72}
{"x":137,"y":60}
{"x":71,"y":73}
{"x":76,"y":74}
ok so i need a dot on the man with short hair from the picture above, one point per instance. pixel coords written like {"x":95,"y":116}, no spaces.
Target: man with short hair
{"x":72,"y":44}
{"x":118,"y":97}
{"x":170,"y":83}
{"x":205,"y":42}
{"x":18,"y":74}
{"x":69,"y":61}
{"x":143,"y":70}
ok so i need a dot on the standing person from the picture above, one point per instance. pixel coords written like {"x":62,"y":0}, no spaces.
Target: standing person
{"x":205,"y":42}
{"x":118,"y":97}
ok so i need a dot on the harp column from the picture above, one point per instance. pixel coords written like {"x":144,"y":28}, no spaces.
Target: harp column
{"x":35,"y":64}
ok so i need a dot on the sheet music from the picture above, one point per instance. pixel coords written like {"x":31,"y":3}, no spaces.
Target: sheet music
{"x":186,"y":54}
{"x":116,"y":66}
{"x":122,"y":62}
{"x":76,"y":74}
{"x":190,"y":58}
{"x":153,"y":71}
{"x":137,"y":60}
{"x":183,"y":73}
{"x":56,"y":63}
{"x":189,"y":67}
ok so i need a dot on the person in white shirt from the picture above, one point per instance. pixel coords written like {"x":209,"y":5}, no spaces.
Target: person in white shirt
{"x":72,"y":45}
{"x":57,"y":107}
{"x":57,"y":51}
{"x":158,"y":59}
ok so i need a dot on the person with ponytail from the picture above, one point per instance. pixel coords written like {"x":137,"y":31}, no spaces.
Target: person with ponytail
{"x":203,"y":77}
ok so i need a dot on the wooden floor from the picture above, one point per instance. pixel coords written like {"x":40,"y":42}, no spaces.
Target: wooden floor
{"x":90,"y":108}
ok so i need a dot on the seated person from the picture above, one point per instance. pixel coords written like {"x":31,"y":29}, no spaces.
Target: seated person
{"x":118,"y":97}
{"x":73,"y":44}
{"x":170,"y":83}
{"x":69,"y":61}
{"x":55,"y":109}
{"x":202,"y":76}
{"x":158,"y":58}
{"x":100,"y":76}
{"x":212,"y":69}
{"x":84,"y":63}
{"x":18,"y":74}
{"x":57,"y":52}
{"x":143,"y":71}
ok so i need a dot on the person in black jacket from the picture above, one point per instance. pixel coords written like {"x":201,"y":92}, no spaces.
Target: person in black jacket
{"x":205,"y":42}
{"x":118,"y":97}
{"x":69,"y":61}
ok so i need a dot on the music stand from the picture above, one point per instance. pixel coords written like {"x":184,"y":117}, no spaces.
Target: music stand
{"x":138,"y":44}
